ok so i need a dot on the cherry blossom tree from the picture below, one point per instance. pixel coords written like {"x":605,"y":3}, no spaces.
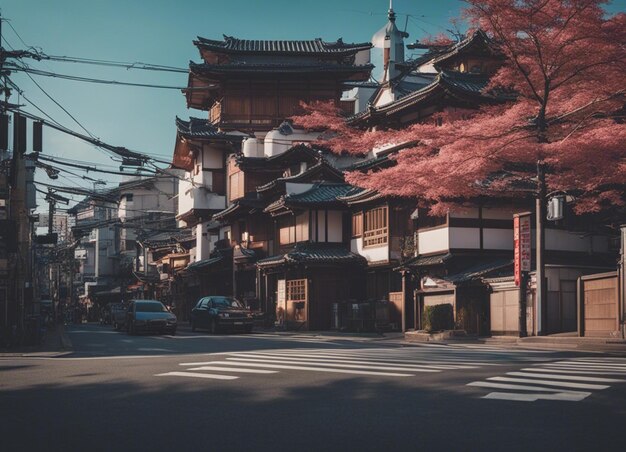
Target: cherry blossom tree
{"x":565,"y":60}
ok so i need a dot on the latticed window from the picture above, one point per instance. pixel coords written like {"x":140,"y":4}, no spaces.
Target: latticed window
{"x":375,"y":229}
{"x":296,"y":290}
{"x":357,"y":224}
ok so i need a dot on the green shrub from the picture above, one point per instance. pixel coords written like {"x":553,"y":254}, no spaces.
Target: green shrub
{"x":438,"y":317}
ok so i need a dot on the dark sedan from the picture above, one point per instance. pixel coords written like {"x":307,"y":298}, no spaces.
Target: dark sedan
{"x":149,"y":316}
{"x":216,"y":313}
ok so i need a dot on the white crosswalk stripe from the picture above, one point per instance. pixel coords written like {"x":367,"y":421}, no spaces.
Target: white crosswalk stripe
{"x":560,"y":380}
{"x":379,"y":362}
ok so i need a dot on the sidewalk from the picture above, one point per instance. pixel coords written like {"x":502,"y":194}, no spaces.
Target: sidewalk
{"x":55,"y":342}
{"x":563,"y":341}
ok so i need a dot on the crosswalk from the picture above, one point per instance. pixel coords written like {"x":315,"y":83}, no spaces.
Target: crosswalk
{"x":376,"y":362}
{"x":570,"y":380}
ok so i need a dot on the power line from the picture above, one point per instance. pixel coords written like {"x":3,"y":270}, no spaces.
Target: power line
{"x":76,"y":78}
{"x":122,"y":64}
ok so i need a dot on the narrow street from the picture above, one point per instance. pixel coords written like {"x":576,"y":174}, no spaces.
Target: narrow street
{"x":270,"y":391}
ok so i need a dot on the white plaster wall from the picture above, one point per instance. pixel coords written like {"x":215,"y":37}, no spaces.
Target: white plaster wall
{"x":465,"y":238}
{"x":564,"y":241}
{"x":498,"y":239}
{"x":433,"y":241}
{"x":385,"y":97}
{"x":203,"y":242}
{"x":212,"y":158}
{"x":372,"y":254}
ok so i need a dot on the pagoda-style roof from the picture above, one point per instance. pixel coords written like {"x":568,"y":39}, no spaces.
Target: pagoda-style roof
{"x":322,"y":194}
{"x":314,"y":253}
{"x":198,"y":130}
{"x":247,"y":205}
{"x":459,"y":88}
{"x":320,"y":171}
{"x":478,"y":43}
{"x":232,"y":45}
{"x":295,"y":154}
{"x":360,"y":196}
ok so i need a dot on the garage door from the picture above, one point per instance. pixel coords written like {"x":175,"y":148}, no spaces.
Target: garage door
{"x":601,"y":309}
{"x":504,"y":312}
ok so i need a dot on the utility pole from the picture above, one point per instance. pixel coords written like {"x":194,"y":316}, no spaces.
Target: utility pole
{"x":540,"y":246}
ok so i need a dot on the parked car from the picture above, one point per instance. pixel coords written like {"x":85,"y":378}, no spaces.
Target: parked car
{"x":217,"y":312}
{"x":118,"y":315}
{"x":149,"y":316}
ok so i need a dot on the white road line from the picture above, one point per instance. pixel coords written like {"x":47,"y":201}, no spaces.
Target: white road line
{"x":197,"y":375}
{"x":458,"y":364}
{"x":559,"y":384}
{"x":586,"y":364}
{"x":565,"y":377}
{"x":230,"y":369}
{"x":573,"y":367}
{"x":488,"y":384}
{"x":517,"y":397}
{"x":350,"y":361}
{"x":315,"y":369}
{"x":561,"y":370}
{"x":327,"y":364}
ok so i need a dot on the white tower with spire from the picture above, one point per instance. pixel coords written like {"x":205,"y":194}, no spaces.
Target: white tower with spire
{"x":391,"y":41}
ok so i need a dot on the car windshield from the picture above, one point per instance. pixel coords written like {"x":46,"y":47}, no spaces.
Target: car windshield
{"x":226,"y":302}
{"x":154,"y":306}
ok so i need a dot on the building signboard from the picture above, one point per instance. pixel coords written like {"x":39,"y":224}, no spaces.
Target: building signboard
{"x":522,"y":245}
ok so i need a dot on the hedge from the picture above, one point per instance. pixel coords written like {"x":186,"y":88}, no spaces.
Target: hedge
{"x":438,"y":317}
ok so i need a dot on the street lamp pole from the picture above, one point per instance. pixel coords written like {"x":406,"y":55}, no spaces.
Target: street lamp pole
{"x":540,"y":246}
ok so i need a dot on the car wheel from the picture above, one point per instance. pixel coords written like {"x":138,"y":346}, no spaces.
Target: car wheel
{"x":213,"y":326}
{"x":193,"y":326}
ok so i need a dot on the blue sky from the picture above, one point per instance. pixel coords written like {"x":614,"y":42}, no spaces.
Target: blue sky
{"x":161,"y":32}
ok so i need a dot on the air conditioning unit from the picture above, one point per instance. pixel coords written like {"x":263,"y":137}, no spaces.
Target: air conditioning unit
{"x":556,"y":206}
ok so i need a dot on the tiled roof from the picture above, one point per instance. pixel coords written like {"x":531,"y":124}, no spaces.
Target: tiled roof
{"x":369,"y":163}
{"x":314,"y":253}
{"x":217,"y":69}
{"x":204,"y":263}
{"x":313,"y":46}
{"x":425,"y":261}
{"x":202,"y":128}
{"x":318,"y":168}
{"x":478,"y":38}
{"x":478,"y":271}
{"x":321,"y":193}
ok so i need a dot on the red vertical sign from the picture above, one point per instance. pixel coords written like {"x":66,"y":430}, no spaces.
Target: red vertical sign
{"x":522,"y":245}
{"x":517,"y":256}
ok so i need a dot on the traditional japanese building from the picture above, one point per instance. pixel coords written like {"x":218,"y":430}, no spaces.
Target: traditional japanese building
{"x":243,"y":156}
{"x":457,"y":255}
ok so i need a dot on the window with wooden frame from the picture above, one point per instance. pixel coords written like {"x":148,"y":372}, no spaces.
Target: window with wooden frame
{"x":296,"y":290}
{"x":236,"y":187}
{"x":357,"y":224}
{"x":375,"y":229}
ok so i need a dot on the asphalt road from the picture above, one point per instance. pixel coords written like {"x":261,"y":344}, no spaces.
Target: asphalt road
{"x":272,"y":392}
